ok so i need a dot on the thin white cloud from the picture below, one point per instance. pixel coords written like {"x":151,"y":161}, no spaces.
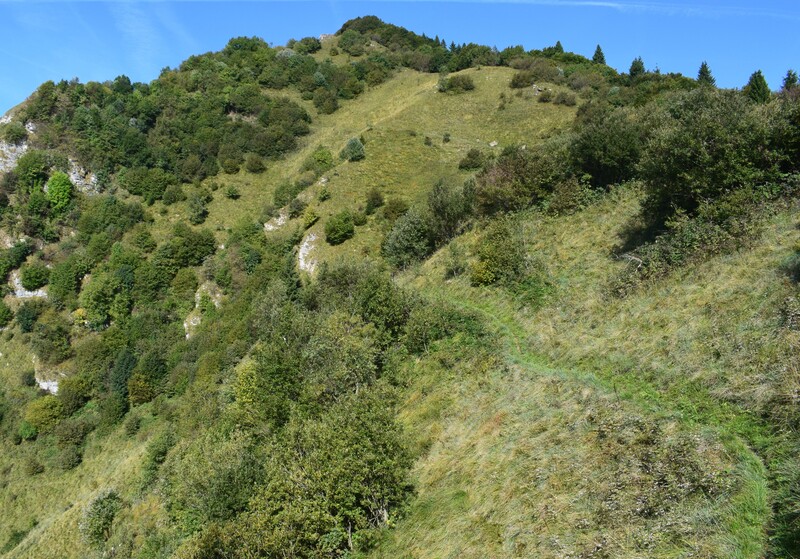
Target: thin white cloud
{"x":142,"y":41}
{"x":696,"y":9}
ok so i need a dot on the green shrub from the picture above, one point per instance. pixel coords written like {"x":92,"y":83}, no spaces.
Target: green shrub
{"x":155,"y":455}
{"x":310,"y":217}
{"x":173,"y":194}
{"x":353,"y":150}
{"x":26,"y":431}
{"x":69,"y":458}
{"x":565,"y":98}
{"x":32,"y":466}
{"x":501,"y":255}
{"x":359,"y":218}
{"x":28,"y":314}
{"x":320,"y":161}
{"x":410,"y":239}
{"x":232,"y":193}
{"x":253,"y":163}
{"x":34,"y":276}
{"x":296,"y":207}
{"x":14,"y":133}
{"x":98,"y":517}
{"x":456,"y":84}
{"x":474,"y":159}
{"x":394,"y":208}
{"x":6,"y":314}
{"x":324,"y":194}
{"x":60,"y":192}
{"x":374,"y":201}
{"x":711,"y":142}
{"x":339,"y":228}
{"x":44,"y":413}
{"x":545,"y":96}
{"x":197,"y":209}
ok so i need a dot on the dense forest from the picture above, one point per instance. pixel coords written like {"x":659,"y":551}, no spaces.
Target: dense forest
{"x":191,"y":384}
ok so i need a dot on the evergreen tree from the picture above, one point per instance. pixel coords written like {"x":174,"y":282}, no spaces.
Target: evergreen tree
{"x":704,"y":76}
{"x":599,"y":57}
{"x":637,"y":67}
{"x":790,"y":81}
{"x":757,"y":88}
{"x":558,"y":48}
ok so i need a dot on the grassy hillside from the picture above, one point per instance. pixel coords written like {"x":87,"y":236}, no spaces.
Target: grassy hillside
{"x":582,"y":345}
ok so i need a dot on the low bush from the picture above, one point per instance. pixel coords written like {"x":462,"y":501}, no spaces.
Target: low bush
{"x":353,"y":150}
{"x":474,"y":159}
{"x":33,"y":276}
{"x":95,"y":526}
{"x":339,"y":228}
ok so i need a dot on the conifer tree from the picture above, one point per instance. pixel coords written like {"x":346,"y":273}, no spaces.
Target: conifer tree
{"x":637,"y":67}
{"x":757,"y":88}
{"x":599,"y":57}
{"x":558,"y":48}
{"x":790,"y":81}
{"x":704,"y":76}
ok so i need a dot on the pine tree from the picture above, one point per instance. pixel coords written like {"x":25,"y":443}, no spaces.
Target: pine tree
{"x":558,"y":48}
{"x":599,"y":57}
{"x":757,"y":88}
{"x":704,"y":76}
{"x":637,"y":67}
{"x":790,"y":81}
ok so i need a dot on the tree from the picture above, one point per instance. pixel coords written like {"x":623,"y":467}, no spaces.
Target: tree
{"x":599,"y":57}
{"x":704,"y":76}
{"x":558,"y":48}
{"x":637,"y":67}
{"x":353,"y":151}
{"x":790,"y":81}
{"x":757,"y":89}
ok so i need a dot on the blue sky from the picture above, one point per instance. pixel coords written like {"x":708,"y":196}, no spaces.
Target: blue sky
{"x":94,"y":40}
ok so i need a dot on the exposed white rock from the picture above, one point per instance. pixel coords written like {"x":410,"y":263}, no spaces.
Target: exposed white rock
{"x":304,"y":260}
{"x":5,"y":119}
{"x":50,"y":386}
{"x":195,"y":317}
{"x":277,"y":222}
{"x":10,"y":154}
{"x":22,"y":293}
{"x":83,"y":180}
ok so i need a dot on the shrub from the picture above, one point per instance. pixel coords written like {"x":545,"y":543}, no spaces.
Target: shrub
{"x":26,"y":431}
{"x":359,"y":218}
{"x":501,"y":255}
{"x":32,"y":466}
{"x":565,"y":98}
{"x":197,"y":209}
{"x":296,"y":207}
{"x":474,"y":159}
{"x":232,"y":193}
{"x":28,"y":314}
{"x":14,"y":133}
{"x":28,"y":378}
{"x":44,"y":413}
{"x":456,"y":84}
{"x":410,"y":239}
{"x":394,"y":208}
{"x":69,"y":457}
{"x":545,"y":96}
{"x":310,"y":217}
{"x":374,"y":201}
{"x":174,"y":193}
{"x":253,"y":163}
{"x":712,"y":142}
{"x":353,"y":150}
{"x":446,"y":138}
{"x":60,"y":192}
{"x":6,"y":314}
{"x":339,"y":228}
{"x":34,"y":276}
{"x":95,"y":526}
{"x":324,"y":194}
{"x":320,"y":160}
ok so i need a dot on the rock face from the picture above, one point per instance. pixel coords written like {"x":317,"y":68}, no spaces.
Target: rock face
{"x":83,"y":180}
{"x":304,"y":260}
